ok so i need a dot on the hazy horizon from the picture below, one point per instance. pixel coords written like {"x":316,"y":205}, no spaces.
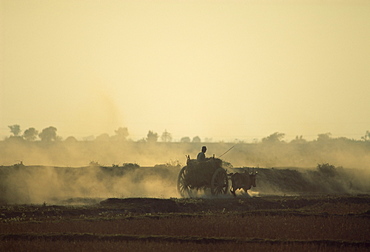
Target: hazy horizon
{"x":111,"y":136}
{"x":221,"y":70}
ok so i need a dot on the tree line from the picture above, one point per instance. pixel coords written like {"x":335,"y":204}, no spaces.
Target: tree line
{"x":49,"y":134}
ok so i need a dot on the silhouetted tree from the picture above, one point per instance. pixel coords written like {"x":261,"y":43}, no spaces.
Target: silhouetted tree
{"x":30,"y":134}
{"x":15,"y":129}
{"x":121,"y":134}
{"x":151,"y":137}
{"x":71,"y":139}
{"x":48,"y":134}
{"x":196,"y":139}
{"x":323,"y":137}
{"x":299,"y":139}
{"x":273,"y":138}
{"x":185,"y":140}
{"x":367,"y":136}
{"x":166,"y":136}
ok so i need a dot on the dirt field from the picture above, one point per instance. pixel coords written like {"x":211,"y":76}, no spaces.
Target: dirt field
{"x":292,"y":210}
{"x":320,"y":223}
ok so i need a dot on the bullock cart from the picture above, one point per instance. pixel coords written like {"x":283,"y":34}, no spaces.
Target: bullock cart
{"x":202,"y":175}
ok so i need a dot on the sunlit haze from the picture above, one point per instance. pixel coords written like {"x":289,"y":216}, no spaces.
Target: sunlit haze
{"x":221,"y":70}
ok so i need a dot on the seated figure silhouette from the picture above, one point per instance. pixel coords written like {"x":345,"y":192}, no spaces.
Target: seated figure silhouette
{"x":202,"y":155}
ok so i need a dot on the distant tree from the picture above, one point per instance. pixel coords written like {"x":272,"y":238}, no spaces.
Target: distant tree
{"x":185,"y":140}
{"x":71,"y":139}
{"x":142,"y":140}
{"x":30,"y":134}
{"x":152,"y":137}
{"x":344,"y":139}
{"x":196,"y":139}
{"x":49,"y":134}
{"x":208,"y":140}
{"x":366,"y":137}
{"x":88,"y":138}
{"x":121,"y":134}
{"x":103,"y":138}
{"x":15,"y":129}
{"x":166,"y":136}
{"x":298,"y":139}
{"x":273,"y":138}
{"x":323,"y":137}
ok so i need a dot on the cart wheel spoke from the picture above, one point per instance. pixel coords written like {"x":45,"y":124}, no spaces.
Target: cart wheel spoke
{"x":219,"y":182}
{"x":183,"y":186}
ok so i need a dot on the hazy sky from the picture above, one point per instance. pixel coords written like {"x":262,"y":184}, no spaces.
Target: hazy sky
{"x":217,"y":69}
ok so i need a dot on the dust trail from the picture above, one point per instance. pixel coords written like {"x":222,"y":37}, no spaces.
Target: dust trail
{"x":52,"y":185}
{"x":112,"y":150}
{"x":21,"y":184}
{"x":325,"y":179}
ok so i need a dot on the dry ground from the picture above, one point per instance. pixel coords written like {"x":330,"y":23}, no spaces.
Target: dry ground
{"x":271,"y":223}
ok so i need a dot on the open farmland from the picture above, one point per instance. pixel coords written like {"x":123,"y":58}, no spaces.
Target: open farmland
{"x":278,"y":223}
{"x":135,"y":208}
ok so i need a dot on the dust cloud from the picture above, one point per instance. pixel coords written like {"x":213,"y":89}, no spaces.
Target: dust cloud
{"x":338,"y":152}
{"x":325,"y":179}
{"x":75,"y":171}
{"x":21,"y":184}
{"x":57,"y":185}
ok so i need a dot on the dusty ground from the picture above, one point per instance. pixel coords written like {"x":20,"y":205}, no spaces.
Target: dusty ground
{"x":136,"y":208}
{"x":21,"y":184}
{"x":358,"y":205}
{"x":33,"y":192}
{"x":267,"y":223}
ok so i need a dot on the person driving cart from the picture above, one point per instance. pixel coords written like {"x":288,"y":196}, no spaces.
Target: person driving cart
{"x":202,"y":155}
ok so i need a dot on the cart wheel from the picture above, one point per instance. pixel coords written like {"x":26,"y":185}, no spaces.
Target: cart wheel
{"x":220,"y":182}
{"x":182,"y":186}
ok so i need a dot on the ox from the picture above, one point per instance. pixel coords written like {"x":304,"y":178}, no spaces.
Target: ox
{"x":243,"y":181}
